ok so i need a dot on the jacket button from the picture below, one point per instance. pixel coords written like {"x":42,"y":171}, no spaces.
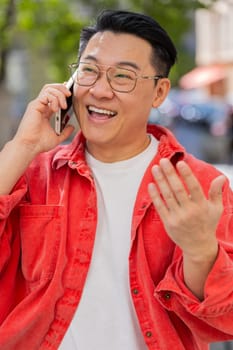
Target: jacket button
{"x":72,"y":164}
{"x":148,"y":334}
{"x":135,"y":291}
{"x":167,"y":296}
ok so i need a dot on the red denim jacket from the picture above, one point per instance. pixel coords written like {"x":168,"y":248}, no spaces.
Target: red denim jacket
{"x":47,"y":232}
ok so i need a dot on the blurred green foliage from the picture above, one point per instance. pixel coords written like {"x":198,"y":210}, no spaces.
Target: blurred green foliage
{"x":47,"y":27}
{"x":51,"y":27}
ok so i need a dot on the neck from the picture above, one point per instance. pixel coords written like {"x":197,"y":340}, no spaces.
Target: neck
{"x":110,"y":154}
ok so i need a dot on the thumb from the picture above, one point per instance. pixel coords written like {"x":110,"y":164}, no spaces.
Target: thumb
{"x":66,"y":133}
{"x":215,"y":191}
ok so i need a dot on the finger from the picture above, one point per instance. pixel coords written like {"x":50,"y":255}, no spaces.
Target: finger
{"x":56,"y":98}
{"x":58,"y":87}
{"x":193,"y":186}
{"x":216,"y":187}
{"x":175,"y":183}
{"x":157,"y":201}
{"x":66,"y":133}
{"x":164,"y":187}
{"x":48,"y":99}
{"x":55,"y":95}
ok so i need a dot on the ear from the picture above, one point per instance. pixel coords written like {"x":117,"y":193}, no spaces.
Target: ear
{"x":161,"y":91}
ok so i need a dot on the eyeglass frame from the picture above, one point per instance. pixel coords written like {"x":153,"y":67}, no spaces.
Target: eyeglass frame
{"x":74,"y":66}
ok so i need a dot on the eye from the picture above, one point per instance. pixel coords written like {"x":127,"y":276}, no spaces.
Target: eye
{"x":124,"y":75}
{"x":88,"y":69}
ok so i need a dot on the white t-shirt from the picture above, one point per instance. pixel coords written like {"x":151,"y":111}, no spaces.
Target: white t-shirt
{"x":105,"y":318}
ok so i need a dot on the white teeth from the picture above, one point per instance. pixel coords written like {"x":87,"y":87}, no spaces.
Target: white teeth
{"x":100,"y":111}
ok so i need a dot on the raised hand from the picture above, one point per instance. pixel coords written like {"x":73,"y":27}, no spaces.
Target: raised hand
{"x":189,"y":217}
{"x":35,"y":130}
{"x":34,"y":135}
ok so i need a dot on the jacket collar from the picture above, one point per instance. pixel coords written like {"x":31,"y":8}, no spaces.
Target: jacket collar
{"x":74,"y":153}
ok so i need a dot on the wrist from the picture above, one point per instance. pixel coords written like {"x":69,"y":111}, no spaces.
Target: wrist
{"x":206,"y":252}
{"x":204,"y":257}
{"x":196,"y":269}
{"x":23,"y":148}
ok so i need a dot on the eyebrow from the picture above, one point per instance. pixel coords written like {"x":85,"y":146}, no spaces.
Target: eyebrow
{"x":120,"y":63}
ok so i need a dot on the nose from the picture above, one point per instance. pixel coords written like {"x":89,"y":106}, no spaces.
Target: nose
{"x":102,"y":88}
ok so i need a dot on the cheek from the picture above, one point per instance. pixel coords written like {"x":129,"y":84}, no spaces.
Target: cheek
{"x":78,"y":104}
{"x":142,"y":104}
{"x":79,"y":92}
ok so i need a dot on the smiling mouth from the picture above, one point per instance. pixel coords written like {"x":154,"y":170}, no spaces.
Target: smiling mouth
{"x":101,"y":113}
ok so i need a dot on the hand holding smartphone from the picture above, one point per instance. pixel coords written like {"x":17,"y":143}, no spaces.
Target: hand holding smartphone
{"x":63,"y":115}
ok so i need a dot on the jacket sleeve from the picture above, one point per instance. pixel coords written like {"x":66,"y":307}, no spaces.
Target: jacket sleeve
{"x":11,"y":287}
{"x":212,"y":317}
{"x":8,"y":220}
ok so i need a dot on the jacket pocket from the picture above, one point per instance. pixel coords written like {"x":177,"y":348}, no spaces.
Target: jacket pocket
{"x":40,"y":231}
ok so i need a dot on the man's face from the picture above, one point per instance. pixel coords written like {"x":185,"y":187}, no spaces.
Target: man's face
{"x":114,"y":123}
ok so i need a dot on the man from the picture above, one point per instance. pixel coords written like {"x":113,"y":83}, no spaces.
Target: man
{"x":119,"y":240}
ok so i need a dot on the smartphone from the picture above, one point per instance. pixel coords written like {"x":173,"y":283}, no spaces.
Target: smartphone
{"x":63,"y":115}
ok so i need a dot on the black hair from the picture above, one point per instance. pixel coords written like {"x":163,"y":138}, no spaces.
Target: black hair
{"x":118,"y":21}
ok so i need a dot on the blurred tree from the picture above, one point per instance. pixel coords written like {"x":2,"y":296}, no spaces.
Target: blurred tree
{"x":52,"y":27}
{"x":49,"y":27}
{"x":7,"y":11}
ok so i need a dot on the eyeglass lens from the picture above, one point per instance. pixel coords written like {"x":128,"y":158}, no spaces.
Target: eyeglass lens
{"x":120,"y":79}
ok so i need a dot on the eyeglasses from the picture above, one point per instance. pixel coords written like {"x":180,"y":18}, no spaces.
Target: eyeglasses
{"x":120,"y":79}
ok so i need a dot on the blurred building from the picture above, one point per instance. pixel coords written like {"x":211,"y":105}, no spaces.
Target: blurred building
{"x":213,"y":75}
{"x":214,"y":51}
